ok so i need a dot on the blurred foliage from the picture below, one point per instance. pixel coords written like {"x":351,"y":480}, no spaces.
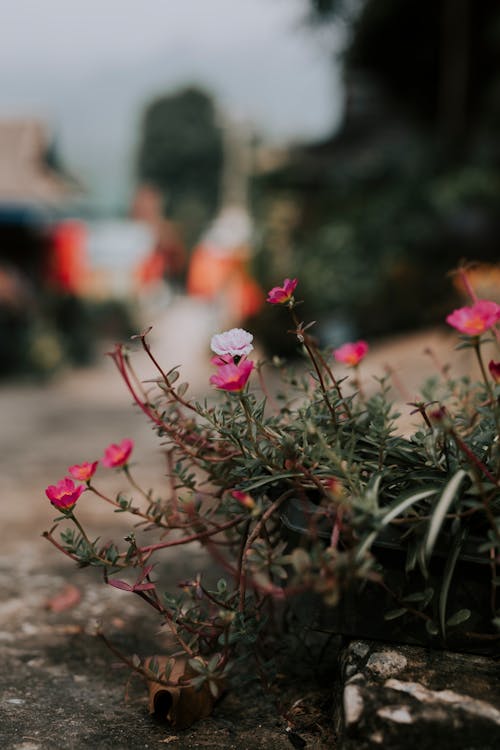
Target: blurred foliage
{"x":410,"y":183}
{"x":181,"y":153}
{"x":43,"y":326}
{"x":56,"y":331}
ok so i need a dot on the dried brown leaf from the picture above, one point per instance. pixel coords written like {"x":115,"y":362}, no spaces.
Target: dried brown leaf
{"x":67,"y":598}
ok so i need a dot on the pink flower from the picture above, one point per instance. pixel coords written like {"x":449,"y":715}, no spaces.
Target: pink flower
{"x":244,"y":498}
{"x":64,"y":494}
{"x":232,"y":377}
{"x":351,"y":354}
{"x":280,"y":295}
{"x":476,"y":319}
{"x":83,"y":472}
{"x":117,"y":455}
{"x":222,"y":359}
{"x":494,"y":368}
{"x":234,"y":343}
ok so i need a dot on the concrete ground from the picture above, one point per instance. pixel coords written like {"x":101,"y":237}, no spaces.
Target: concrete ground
{"x":58,"y":686}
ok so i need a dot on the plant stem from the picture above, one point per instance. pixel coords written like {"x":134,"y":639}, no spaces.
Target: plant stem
{"x":252,"y":537}
{"x":193,"y":538}
{"x":126,"y":471}
{"x":477,"y":349}
{"x":304,"y":338}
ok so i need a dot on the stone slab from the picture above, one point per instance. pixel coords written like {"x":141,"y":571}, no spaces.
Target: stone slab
{"x":396,"y":697}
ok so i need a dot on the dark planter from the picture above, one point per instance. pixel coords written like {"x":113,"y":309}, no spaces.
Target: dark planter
{"x":366,"y":610}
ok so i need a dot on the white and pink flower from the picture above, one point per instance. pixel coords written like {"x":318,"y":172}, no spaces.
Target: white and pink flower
{"x":236,"y":343}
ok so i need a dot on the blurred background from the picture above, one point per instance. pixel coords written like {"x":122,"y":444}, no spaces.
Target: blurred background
{"x":186,"y":156}
{"x":165,"y":163}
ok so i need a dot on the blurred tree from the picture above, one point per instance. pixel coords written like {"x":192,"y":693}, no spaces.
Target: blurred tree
{"x":181,"y":154}
{"x":437,"y":60}
{"x":410,"y":182}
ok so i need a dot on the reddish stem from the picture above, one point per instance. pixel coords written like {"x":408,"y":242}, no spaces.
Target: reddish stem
{"x":193,"y":538}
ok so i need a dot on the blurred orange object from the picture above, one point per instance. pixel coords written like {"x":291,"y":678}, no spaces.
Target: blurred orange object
{"x":67,"y":262}
{"x":167,"y":258}
{"x":483,"y":278}
{"x":151,"y":269}
{"x":214,"y":274}
{"x":218,"y":270}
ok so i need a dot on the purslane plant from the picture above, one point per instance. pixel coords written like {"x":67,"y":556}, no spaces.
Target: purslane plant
{"x":316,"y":457}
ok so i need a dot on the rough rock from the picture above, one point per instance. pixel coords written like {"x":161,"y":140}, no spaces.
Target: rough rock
{"x":396,"y":697}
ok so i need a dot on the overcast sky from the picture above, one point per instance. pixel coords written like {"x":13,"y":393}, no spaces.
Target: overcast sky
{"x":88,"y":67}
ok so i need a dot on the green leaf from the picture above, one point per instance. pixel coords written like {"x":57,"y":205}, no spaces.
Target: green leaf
{"x":448,"y":496}
{"x":181,"y":389}
{"x":270,"y":479}
{"x":394,"y":613}
{"x":429,"y":593}
{"x":197,"y":682}
{"x":449,"y":569}
{"x":197,"y":665}
{"x":396,"y":509}
{"x":172,"y":375}
{"x":300,"y":560}
{"x":461,"y":616}
{"x":214,"y":688}
{"x":167,"y":671}
{"x":402,"y":505}
{"x":431,"y":627}
{"x":418,"y":596}
{"x":154,"y":665}
{"x":221,"y":586}
{"x":213,"y":663}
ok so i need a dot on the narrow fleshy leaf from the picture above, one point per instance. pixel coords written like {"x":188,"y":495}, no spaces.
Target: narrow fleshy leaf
{"x":181,"y":389}
{"x":459,"y":617}
{"x":449,"y":494}
{"x":401,"y":506}
{"x":447,"y":577}
{"x":120,"y":584}
{"x":270,"y":479}
{"x":393,"y":614}
{"x":395,"y":511}
{"x":431,"y":627}
{"x":143,"y":587}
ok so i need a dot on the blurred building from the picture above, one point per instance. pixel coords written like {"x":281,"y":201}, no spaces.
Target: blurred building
{"x":33,"y":193}
{"x":28,"y":173}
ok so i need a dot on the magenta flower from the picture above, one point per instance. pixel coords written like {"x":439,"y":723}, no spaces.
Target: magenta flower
{"x":280,"y":295}
{"x":232,"y":377}
{"x":494,"y":368}
{"x":476,"y":319}
{"x":83,"y":472}
{"x":234,"y":343}
{"x":244,"y":498}
{"x":117,"y":455}
{"x":351,"y":353}
{"x":64,"y":494}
